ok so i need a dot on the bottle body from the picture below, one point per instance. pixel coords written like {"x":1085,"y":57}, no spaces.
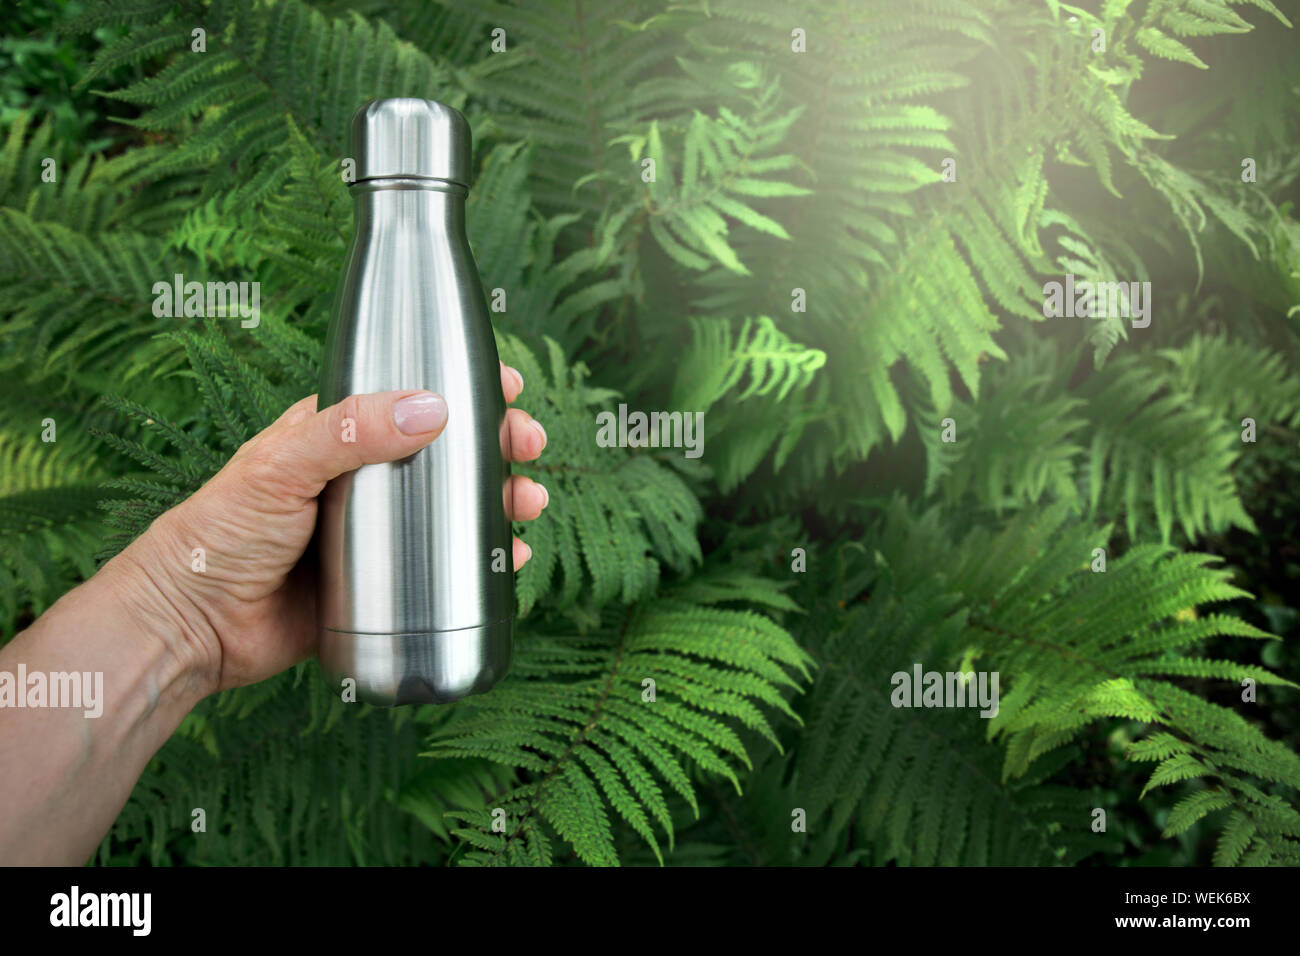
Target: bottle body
{"x":416,"y":595}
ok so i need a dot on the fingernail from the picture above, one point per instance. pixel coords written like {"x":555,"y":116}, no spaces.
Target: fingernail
{"x":528,"y":549}
{"x":424,"y":412}
{"x":545,"y":494}
{"x":540,"y":429}
{"x":518,"y":378}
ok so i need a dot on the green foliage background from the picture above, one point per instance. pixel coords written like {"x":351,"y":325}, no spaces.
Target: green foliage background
{"x":776,"y":171}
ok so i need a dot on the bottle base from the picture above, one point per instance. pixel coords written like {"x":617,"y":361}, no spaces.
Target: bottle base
{"x":424,"y":667}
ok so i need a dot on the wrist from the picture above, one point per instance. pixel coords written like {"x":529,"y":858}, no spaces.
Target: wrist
{"x":72,"y":755}
{"x":144,"y":582}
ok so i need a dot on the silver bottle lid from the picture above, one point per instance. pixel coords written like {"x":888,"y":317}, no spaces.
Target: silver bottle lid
{"x":412,"y":139}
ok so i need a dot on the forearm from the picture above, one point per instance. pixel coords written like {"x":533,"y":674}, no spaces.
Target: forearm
{"x":64,"y":772}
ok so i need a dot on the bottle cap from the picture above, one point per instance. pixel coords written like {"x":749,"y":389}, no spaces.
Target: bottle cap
{"x":411,"y":139}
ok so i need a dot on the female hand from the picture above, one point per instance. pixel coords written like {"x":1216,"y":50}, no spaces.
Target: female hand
{"x":251,"y":612}
{"x":157,"y":636}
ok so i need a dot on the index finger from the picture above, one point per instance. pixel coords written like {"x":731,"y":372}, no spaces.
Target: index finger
{"x":512,"y":383}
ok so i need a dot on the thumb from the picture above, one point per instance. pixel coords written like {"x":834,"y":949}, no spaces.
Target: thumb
{"x":360,"y":430}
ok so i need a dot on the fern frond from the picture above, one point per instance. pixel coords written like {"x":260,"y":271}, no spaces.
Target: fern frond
{"x":604,"y":723}
{"x":1073,"y":646}
{"x":615,"y":515}
{"x":265,"y":67}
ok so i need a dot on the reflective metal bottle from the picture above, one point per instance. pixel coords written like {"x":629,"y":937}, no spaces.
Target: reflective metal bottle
{"x":417,"y":595}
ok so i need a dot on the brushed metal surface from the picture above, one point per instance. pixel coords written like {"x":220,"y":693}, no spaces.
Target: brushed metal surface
{"x":412,"y":139}
{"x":410,"y":604}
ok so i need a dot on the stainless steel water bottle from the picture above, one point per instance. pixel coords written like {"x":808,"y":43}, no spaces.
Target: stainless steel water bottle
{"x":417,"y":595}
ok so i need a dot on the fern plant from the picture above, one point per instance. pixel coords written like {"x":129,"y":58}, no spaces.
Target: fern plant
{"x":825,"y":228}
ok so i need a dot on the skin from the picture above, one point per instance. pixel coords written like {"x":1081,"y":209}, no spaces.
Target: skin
{"x":165,"y":637}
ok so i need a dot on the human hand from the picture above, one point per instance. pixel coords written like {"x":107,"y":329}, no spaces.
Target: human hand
{"x":252,"y":612}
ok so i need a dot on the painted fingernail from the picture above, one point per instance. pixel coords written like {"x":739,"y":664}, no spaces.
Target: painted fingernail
{"x":425,"y":412}
{"x":546,"y":495}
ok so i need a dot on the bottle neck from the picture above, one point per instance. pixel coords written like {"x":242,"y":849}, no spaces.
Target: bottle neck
{"x":424,"y":204}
